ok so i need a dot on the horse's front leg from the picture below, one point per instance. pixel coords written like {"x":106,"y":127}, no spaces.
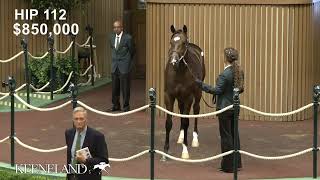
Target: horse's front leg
{"x":196,"y":110}
{"x":185,"y":126}
{"x":168,"y":130}
{"x":169,"y":101}
{"x":181,"y":135}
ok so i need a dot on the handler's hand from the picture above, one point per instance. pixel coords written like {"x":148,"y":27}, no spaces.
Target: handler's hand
{"x":198,"y":82}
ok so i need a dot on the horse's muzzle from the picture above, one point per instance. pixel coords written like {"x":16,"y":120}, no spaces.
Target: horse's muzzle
{"x":175,"y":63}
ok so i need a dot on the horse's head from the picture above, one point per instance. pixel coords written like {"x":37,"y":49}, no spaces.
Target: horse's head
{"x":179,"y":45}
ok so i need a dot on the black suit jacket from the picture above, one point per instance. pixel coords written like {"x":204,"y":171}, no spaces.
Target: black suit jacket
{"x":223,"y":89}
{"x":97,"y":145}
{"x":122,"y":56}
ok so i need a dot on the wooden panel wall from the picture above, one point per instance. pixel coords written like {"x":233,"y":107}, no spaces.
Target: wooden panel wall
{"x":100,"y":14}
{"x":9,"y":43}
{"x":275,"y":44}
{"x":250,"y":2}
{"x":316,"y":42}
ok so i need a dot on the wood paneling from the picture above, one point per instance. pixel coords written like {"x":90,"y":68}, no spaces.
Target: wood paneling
{"x":101,"y":15}
{"x":278,"y":45}
{"x":259,"y":2}
{"x":138,"y":26}
{"x":9,"y":43}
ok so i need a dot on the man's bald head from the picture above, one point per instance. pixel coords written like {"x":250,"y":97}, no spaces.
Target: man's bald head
{"x":118,"y":26}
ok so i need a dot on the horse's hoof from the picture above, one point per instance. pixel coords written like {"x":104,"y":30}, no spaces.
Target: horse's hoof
{"x":163,"y":159}
{"x":185,"y":155}
{"x":195,"y":143}
{"x":181,"y":137}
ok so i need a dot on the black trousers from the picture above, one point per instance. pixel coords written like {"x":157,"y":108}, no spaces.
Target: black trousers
{"x":120,"y":82}
{"x":226,"y":125}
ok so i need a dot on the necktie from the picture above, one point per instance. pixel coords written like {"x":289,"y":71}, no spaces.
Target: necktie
{"x":76,"y":149}
{"x":117,"y":42}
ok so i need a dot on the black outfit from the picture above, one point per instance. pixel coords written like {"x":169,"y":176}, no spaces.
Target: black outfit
{"x":223,"y":91}
{"x":97,"y":145}
{"x":120,"y":68}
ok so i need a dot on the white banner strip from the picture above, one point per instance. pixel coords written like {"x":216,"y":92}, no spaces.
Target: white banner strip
{"x":21,"y":87}
{"x":65,"y":84}
{"x":65,"y":51}
{"x":86,"y":83}
{"x":86,"y":70}
{"x":37,"y":149}
{"x":18,"y":89}
{"x":278,"y":114}
{"x":112,"y":114}
{"x":129,"y":158}
{"x":3,"y":140}
{"x":3,"y":97}
{"x":41,"y":109}
{"x":12,"y":58}
{"x":40,"y":89}
{"x":195,"y":115}
{"x":41,"y":57}
{"x":3,"y":94}
{"x":82,"y":45}
{"x":276,"y":157}
{"x":194,"y":160}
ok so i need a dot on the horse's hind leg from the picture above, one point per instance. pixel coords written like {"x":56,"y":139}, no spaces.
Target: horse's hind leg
{"x":196,"y":110}
{"x":169,"y":101}
{"x":181,"y":135}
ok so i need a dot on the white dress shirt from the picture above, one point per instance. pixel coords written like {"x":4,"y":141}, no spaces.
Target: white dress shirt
{"x":115,"y":41}
{"x":82,"y":135}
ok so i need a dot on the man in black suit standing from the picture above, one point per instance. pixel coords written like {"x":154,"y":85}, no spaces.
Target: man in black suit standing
{"x":79,"y":137}
{"x":122,"y":50}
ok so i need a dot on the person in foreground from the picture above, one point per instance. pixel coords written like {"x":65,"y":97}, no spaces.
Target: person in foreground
{"x":82,"y":136}
{"x":232,"y":77}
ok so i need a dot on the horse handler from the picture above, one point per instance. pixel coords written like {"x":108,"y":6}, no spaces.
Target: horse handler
{"x":232,"y":77}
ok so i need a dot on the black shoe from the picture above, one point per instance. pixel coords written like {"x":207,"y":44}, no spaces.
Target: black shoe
{"x":114,"y":109}
{"x":228,"y":170}
{"x":126,"y":109}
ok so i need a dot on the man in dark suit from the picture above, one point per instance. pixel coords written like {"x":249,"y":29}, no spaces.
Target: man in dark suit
{"x":122,"y":50}
{"x":79,"y":137}
{"x":232,"y":77}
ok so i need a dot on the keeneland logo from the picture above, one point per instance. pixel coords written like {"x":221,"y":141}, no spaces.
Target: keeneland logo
{"x":54,"y":168}
{"x":102,"y":166}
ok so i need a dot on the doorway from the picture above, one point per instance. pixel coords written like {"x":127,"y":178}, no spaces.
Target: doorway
{"x":134,"y":13}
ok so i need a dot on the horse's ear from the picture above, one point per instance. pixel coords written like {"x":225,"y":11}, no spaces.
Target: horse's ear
{"x":173,"y":30}
{"x":185,"y":30}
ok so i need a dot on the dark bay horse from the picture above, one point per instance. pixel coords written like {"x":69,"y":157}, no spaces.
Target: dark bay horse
{"x":185,"y":63}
